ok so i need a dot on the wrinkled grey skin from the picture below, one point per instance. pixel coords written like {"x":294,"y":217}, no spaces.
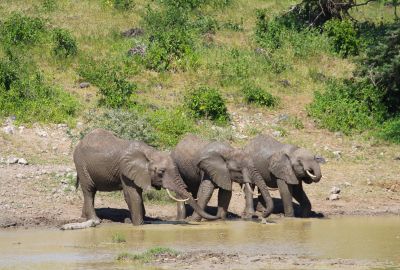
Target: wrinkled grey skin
{"x":107,"y":163}
{"x":205,"y":166}
{"x":284,"y":166}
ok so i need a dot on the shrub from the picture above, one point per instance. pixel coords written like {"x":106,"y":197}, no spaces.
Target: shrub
{"x":205,"y":24}
{"x":49,"y":5}
{"x":21,"y":29}
{"x":64,"y":43}
{"x":123,"y":5}
{"x":234,"y":26}
{"x":207,"y":102}
{"x":127,"y":124}
{"x":114,"y":89}
{"x":344,"y":36}
{"x":148,"y":255}
{"x":171,"y":126}
{"x":257,"y":95}
{"x":25,"y":94}
{"x":390,"y":130}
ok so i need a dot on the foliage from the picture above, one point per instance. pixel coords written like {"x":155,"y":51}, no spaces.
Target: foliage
{"x":257,"y":95}
{"x":21,"y":29}
{"x":234,"y":26}
{"x":207,"y":102}
{"x":205,"y":24}
{"x":129,"y":125}
{"x":118,"y":238}
{"x":123,"y":5}
{"x":390,"y":130}
{"x":49,"y":5}
{"x":64,"y":43}
{"x":159,"y":197}
{"x":171,"y":126}
{"x":148,"y":255}
{"x":344,"y":36}
{"x":347,"y":106}
{"x":25,"y":94}
{"x":111,"y":79}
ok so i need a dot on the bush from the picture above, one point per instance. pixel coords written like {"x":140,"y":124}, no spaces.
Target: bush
{"x":21,"y":29}
{"x":129,"y":125}
{"x":171,"y":126}
{"x":257,"y":95}
{"x":123,"y":4}
{"x":344,"y":36}
{"x":207,"y":102}
{"x":64,"y":43}
{"x":347,"y":107}
{"x":390,"y":131}
{"x":49,"y":5}
{"x":111,"y":79}
{"x":24,"y":93}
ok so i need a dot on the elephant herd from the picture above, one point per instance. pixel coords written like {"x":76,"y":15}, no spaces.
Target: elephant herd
{"x":192,"y":170}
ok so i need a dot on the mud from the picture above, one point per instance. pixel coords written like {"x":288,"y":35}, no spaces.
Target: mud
{"x":337,"y":243}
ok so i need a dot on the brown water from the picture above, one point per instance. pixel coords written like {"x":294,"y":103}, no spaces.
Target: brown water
{"x":365,"y":238}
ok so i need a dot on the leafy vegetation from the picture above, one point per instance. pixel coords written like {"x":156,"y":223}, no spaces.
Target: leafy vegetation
{"x":118,"y":238}
{"x":148,"y":255}
{"x":344,"y":36}
{"x":257,"y":95}
{"x":64,"y":43}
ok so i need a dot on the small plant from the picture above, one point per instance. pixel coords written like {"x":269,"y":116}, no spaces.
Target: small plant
{"x":148,"y":255}
{"x":344,"y":36}
{"x":234,"y":26}
{"x":123,"y":5}
{"x":118,"y":238}
{"x":257,"y":95}
{"x":64,"y":43}
{"x":21,"y":29}
{"x":390,"y":131}
{"x":208,"y":103}
{"x":206,"y":24}
{"x":49,"y":5}
{"x":171,"y":126}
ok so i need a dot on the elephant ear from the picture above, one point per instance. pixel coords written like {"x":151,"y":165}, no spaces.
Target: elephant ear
{"x":134,"y":165}
{"x":281,"y":167}
{"x":215,"y":166}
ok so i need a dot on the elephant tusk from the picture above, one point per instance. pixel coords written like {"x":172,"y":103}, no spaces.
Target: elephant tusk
{"x":175,"y":199}
{"x":251,"y":190}
{"x":310,"y":174}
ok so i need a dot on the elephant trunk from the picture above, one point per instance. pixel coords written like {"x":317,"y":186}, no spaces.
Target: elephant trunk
{"x":259,"y":181}
{"x":314,"y":173}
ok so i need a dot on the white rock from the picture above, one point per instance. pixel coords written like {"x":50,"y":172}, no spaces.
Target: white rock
{"x":22,"y":161}
{"x":12,"y":160}
{"x":277,"y":133}
{"x":335,"y":190}
{"x":8,"y":129}
{"x":41,"y":133}
{"x":347,"y":184}
{"x":369,"y":183}
{"x":20,"y":175}
{"x":334,"y":197}
{"x":337,"y":154}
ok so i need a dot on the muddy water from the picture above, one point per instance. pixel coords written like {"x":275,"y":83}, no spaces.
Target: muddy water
{"x":361,"y":238}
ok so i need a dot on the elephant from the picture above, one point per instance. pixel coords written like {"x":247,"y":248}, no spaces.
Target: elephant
{"x":286,"y":167}
{"x":206,"y":165}
{"x":105,"y":162}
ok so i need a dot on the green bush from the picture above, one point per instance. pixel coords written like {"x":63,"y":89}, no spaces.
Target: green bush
{"x":111,"y":78}
{"x":171,"y":126}
{"x":257,"y":95}
{"x":344,"y":36}
{"x":25,"y":94}
{"x":347,"y":107}
{"x":64,"y":43}
{"x":21,"y":29}
{"x":234,"y":26}
{"x":123,"y":5}
{"x":127,"y":124}
{"x":208,"y":103}
{"x":49,"y":5}
{"x":390,"y":131}
{"x":205,"y":24}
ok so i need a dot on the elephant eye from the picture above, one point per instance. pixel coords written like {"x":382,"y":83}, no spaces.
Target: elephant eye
{"x":160,"y":172}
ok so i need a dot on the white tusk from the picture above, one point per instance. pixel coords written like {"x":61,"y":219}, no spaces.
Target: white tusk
{"x":175,"y":199}
{"x":310,"y":174}
{"x":251,"y":190}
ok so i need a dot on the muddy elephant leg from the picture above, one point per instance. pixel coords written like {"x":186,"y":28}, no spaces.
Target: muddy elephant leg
{"x":224,"y":198}
{"x":248,"y":211}
{"x":88,"y":211}
{"x":180,"y":211}
{"x":286,"y":194}
{"x":203,"y":195}
{"x":301,"y":197}
{"x":133,"y":198}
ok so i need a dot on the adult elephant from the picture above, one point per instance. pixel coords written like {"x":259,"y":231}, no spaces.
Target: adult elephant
{"x":205,"y":166}
{"x":107,"y":163}
{"x":286,"y":167}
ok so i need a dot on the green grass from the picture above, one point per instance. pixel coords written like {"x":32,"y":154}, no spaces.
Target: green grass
{"x":118,"y":238}
{"x":148,"y":255}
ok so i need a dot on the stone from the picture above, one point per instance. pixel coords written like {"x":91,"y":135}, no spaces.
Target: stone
{"x":12,"y":160}
{"x":138,"y":50}
{"x":339,"y":134}
{"x":334,"y":197}
{"x":277,"y":133}
{"x":335,"y":190}
{"x":8,"y":129}
{"x":22,"y":161}
{"x":337,"y":154}
{"x":62,"y":125}
{"x":369,"y":183}
{"x":20,"y":176}
{"x":84,"y":85}
{"x":281,"y":118}
{"x":347,"y":184}
{"x":41,"y":133}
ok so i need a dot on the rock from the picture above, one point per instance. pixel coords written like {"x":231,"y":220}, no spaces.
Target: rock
{"x":138,"y":50}
{"x":320,"y":159}
{"x":12,"y":160}
{"x":8,"y":129}
{"x":84,"y":85}
{"x":335,"y":190}
{"x":62,"y":125}
{"x":347,"y":184}
{"x":334,"y":197}
{"x":41,"y":133}
{"x":337,"y":154}
{"x":133,"y":32}
{"x":20,"y":176}
{"x":369,"y":183}
{"x":281,"y":118}
{"x":339,"y":134}
{"x":22,"y":161}
{"x":277,"y":133}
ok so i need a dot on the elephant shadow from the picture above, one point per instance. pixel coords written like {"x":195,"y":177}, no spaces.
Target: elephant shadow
{"x":278,"y":208}
{"x":212,"y":210}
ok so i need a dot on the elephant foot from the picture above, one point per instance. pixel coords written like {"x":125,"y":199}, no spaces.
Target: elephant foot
{"x":195,"y":218}
{"x":127,"y":220}
{"x":248,"y":215}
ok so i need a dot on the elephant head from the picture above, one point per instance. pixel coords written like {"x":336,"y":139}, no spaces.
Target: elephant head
{"x":158,"y":170}
{"x":224,"y":164}
{"x":298,"y":164}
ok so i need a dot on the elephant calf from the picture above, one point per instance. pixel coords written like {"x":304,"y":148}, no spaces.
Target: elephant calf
{"x":205,"y":166}
{"x":284,"y":166}
{"x":107,"y":163}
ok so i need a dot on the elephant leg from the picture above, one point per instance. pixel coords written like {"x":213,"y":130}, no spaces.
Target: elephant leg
{"x":224,"y":198}
{"x":203,"y":197}
{"x":301,"y":197}
{"x":133,"y":198}
{"x":248,"y":211}
{"x":88,"y":211}
{"x":181,"y":211}
{"x":286,"y":194}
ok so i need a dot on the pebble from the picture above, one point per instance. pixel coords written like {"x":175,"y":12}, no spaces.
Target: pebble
{"x":337,"y":154}
{"x":22,"y":161}
{"x":339,"y":134}
{"x":347,"y":184}
{"x":12,"y":160}
{"x":335,"y":190}
{"x":369,"y":183}
{"x":84,"y":85}
{"x":334,"y":197}
{"x":41,"y":133}
{"x":8,"y":130}
{"x":20,"y":176}
{"x":277,"y":133}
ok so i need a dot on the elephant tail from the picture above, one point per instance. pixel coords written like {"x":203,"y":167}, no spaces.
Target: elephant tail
{"x":77,"y":183}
